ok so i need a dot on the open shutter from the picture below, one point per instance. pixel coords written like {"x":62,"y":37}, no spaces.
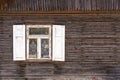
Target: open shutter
{"x":58,"y":48}
{"x":18,"y":42}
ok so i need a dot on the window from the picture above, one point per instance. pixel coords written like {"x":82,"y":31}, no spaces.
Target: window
{"x":38,"y":42}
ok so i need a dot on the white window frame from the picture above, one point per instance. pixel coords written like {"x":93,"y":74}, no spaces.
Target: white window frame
{"x":38,"y":37}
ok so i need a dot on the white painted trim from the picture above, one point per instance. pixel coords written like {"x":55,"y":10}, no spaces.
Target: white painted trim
{"x":39,"y":48}
{"x":27,"y":48}
{"x":19,"y":43}
{"x":38,"y":26}
{"x":58,"y":43}
{"x":38,"y":37}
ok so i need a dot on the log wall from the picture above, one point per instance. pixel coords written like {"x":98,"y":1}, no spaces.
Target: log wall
{"x":92,"y":49}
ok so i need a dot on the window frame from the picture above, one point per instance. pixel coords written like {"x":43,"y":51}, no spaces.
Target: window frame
{"x":38,"y":37}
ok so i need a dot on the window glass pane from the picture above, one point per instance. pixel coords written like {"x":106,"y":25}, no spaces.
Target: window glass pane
{"x":32,"y":48}
{"x":45,"y":48}
{"x":38,"y":31}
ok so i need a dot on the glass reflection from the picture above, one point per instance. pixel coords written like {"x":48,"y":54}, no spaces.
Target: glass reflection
{"x":39,"y":31}
{"x":32,"y":48}
{"x":45,"y":48}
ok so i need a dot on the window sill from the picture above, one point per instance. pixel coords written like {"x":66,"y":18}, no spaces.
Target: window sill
{"x":46,"y":60}
{"x":38,"y":60}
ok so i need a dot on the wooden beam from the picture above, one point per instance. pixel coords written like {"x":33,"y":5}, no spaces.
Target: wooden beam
{"x":5,"y":13}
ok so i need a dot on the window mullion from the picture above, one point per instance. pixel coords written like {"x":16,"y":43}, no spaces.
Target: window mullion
{"x":50,"y":42}
{"x":27,"y":48}
{"x":39,"y":47}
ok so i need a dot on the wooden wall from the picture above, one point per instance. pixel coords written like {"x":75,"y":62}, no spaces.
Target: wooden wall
{"x":92,"y":49}
{"x":67,"y":6}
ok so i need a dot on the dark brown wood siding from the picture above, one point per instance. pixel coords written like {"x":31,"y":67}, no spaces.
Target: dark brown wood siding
{"x":65,"y":6}
{"x":92,"y":49}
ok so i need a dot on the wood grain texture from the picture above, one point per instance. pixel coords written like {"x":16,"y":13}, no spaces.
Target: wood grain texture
{"x":92,"y":49}
{"x":54,"y":6}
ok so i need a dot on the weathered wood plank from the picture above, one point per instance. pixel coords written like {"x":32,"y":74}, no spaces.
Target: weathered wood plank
{"x":92,"y":49}
{"x":66,"y":5}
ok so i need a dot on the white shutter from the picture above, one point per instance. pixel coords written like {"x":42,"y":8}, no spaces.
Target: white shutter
{"x":18,"y":42}
{"x":58,"y":49}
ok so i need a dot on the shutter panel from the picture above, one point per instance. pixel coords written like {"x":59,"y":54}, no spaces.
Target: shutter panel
{"x":58,"y":48}
{"x":18,"y":42}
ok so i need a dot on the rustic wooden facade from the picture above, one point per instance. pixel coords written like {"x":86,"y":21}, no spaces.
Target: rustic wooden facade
{"x":59,"y":6}
{"x":92,"y":50}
